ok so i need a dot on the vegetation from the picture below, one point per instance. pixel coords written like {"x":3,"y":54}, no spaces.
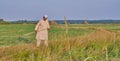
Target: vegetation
{"x":3,"y":22}
{"x":90,"y":42}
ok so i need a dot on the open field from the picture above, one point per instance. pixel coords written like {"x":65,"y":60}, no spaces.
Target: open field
{"x":100,"y":42}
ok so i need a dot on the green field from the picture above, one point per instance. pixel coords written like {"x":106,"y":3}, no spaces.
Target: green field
{"x":93,"y":42}
{"x":16,"y":33}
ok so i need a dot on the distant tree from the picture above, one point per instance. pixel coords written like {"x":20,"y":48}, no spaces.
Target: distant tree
{"x":1,"y":20}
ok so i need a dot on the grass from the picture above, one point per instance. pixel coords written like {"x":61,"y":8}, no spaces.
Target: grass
{"x":14,"y":33}
{"x":82,"y":42}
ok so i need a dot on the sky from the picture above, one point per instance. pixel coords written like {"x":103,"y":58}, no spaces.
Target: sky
{"x":57,"y":9}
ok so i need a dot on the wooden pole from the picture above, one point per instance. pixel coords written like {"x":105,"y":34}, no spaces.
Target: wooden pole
{"x":66,"y":26}
{"x":106,"y":53}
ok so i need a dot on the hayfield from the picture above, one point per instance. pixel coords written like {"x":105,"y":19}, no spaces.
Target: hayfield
{"x":91,"y":42}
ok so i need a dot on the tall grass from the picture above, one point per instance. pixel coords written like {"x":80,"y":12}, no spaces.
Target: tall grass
{"x":61,"y":50}
{"x":99,"y":45}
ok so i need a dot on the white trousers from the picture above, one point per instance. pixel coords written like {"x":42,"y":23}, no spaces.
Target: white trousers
{"x":39,"y":42}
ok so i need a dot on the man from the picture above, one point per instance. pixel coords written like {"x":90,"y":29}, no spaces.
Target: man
{"x":41,"y":29}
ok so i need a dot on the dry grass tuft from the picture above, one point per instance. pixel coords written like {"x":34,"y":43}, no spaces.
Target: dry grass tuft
{"x":101,"y":35}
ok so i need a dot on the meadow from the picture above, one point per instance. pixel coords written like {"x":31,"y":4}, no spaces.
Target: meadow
{"x":91,"y":42}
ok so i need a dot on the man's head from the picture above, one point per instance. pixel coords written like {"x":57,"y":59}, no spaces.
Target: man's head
{"x":45,"y":17}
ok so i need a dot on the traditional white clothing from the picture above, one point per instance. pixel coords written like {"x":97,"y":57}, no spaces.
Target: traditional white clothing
{"x":42,"y":30}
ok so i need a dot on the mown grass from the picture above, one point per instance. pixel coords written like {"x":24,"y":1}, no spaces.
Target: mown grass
{"x":81,"y":42}
{"x":15,"y":33}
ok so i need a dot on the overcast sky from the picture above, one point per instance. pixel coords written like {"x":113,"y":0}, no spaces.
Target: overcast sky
{"x":57,"y":9}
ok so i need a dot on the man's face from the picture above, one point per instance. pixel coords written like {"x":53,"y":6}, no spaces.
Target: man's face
{"x":44,"y":18}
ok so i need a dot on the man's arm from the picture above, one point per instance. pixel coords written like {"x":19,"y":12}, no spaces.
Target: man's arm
{"x":37,"y":26}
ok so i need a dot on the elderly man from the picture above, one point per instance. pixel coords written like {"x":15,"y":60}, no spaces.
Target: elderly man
{"x":41,"y":29}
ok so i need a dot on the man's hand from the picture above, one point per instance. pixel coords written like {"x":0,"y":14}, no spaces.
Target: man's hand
{"x":36,"y":31}
{"x":48,"y":28}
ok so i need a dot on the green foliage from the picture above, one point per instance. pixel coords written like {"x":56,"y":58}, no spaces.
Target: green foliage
{"x":24,"y":54}
{"x":4,"y":22}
